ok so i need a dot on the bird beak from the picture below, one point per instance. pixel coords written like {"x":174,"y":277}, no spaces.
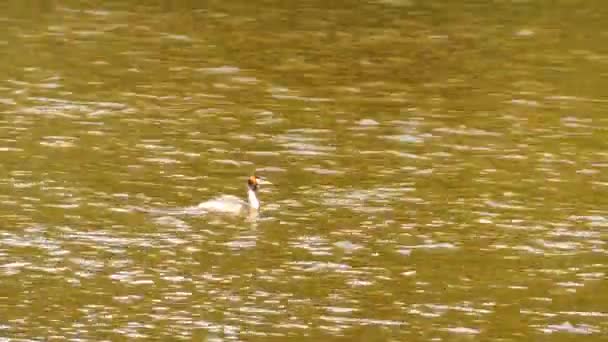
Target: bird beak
{"x":262,"y":181}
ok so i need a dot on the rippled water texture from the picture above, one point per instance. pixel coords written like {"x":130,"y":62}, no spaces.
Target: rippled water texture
{"x":438,"y":170}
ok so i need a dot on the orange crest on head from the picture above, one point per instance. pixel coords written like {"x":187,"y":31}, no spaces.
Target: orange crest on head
{"x":252,"y":180}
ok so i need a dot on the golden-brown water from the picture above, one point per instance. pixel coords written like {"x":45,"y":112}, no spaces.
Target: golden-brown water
{"x":439,"y":170}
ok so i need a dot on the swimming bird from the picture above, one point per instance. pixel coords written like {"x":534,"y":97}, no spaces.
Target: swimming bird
{"x":233,"y":205}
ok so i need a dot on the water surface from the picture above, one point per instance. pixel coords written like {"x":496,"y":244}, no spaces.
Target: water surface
{"x":438,"y":170}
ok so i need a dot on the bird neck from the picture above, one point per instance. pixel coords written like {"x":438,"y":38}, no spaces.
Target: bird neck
{"x":253,"y":199}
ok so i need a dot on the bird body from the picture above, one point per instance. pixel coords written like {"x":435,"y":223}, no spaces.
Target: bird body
{"x":233,"y":205}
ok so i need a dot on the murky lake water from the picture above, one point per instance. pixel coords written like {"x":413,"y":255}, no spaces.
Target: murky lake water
{"x":439,"y":170}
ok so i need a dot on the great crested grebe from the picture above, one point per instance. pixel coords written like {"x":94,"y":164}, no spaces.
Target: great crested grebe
{"x":234,"y":205}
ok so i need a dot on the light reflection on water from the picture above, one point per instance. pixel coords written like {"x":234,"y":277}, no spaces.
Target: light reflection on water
{"x":418,"y":192}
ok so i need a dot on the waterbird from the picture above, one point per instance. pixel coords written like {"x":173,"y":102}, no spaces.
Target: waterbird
{"x":233,"y":205}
